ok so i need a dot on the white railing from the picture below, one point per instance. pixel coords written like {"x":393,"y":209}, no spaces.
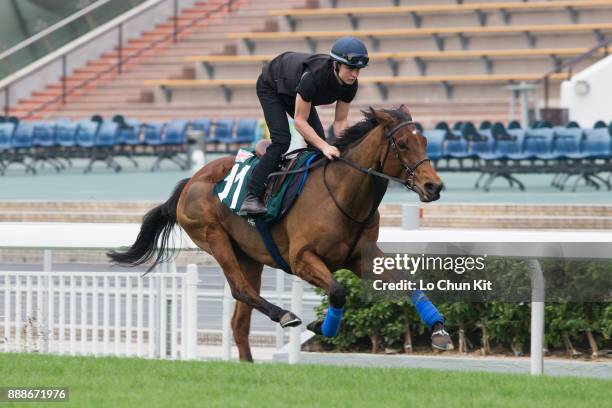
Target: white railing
{"x":81,"y":313}
{"x":59,"y":236}
{"x":104,"y":236}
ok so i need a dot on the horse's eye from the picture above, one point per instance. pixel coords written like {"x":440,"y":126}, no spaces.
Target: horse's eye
{"x":402,"y":145}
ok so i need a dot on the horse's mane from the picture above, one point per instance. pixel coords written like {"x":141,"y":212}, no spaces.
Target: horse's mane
{"x":360,"y":129}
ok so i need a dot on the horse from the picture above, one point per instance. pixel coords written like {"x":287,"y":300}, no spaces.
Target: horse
{"x":331,"y":222}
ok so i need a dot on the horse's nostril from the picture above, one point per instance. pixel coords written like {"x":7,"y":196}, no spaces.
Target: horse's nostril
{"x":433,"y":188}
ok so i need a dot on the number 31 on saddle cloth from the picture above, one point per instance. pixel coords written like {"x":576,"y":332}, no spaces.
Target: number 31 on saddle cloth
{"x":281,"y":190}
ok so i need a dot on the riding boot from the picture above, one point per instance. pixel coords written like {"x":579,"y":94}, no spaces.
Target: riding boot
{"x":252,"y":205}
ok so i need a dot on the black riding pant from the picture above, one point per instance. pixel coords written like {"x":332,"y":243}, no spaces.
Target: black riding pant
{"x":276,"y":107}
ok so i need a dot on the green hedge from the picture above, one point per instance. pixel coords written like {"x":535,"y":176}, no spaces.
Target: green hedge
{"x":477,"y":325}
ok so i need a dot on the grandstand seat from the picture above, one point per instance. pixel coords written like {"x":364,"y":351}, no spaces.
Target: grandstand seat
{"x":202,"y":125}
{"x":592,"y":159}
{"x":506,"y":143}
{"x":565,"y":141}
{"x":128,"y":137}
{"x":536,"y":142}
{"x":247,"y":131}
{"x":22,"y":145}
{"x":45,"y":144}
{"x":6,"y":136}
{"x":65,"y":135}
{"x":176,"y":133}
{"x":103,"y":148}
{"x":153,"y":133}
{"x":224,"y":132}
{"x":86,"y":134}
{"x":435,"y":141}
{"x":173,"y":143}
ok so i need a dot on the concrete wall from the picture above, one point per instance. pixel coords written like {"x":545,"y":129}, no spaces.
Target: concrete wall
{"x":588,"y":95}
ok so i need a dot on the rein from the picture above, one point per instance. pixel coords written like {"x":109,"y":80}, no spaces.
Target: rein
{"x":380,"y":182}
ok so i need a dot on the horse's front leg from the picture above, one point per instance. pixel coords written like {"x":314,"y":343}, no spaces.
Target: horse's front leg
{"x":308,"y":266}
{"x":361,"y":265}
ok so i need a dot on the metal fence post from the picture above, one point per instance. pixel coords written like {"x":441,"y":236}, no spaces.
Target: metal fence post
{"x":295,"y":343}
{"x":226,"y":335}
{"x":191,"y":312}
{"x":44,"y":313}
{"x":64,"y":70}
{"x":280,"y":289}
{"x":175,"y":29}
{"x":7,"y":101}
{"x":120,"y":48}
{"x":537,"y":317}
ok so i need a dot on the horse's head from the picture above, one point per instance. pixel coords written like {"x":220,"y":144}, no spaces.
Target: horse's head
{"x":405,"y":153}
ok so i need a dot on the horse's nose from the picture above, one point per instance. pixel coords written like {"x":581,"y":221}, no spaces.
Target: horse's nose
{"x":433,"y":188}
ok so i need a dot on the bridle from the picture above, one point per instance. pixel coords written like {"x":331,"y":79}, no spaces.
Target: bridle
{"x":392,"y":145}
{"x":377,"y":172}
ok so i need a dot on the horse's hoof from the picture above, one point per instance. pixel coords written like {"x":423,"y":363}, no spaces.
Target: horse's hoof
{"x":316,"y":326}
{"x":290,"y":320}
{"x":441,"y":340}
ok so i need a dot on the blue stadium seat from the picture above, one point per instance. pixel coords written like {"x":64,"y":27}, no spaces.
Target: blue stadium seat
{"x":506,"y":143}
{"x":535,"y":142}
{"x":224,"y":134}
{"x":565,"y":141}
{"x":435,"y":140}
{"x":176,"y":132}
{"x":247,"y":131}
{"x":224,"y":130}
{"x":22,"y":145}
{"x":103,"y":148}
{"x":595,"y":145}
{"x":153,"y":133}
{"x":86,"y":134}
{"x":201,"y":125}
{"x":45,"y":144}
{"x":128,"y":137}
{"x":65,"y":135}
{"x":6,"y":136}
{"x":174,"y":143}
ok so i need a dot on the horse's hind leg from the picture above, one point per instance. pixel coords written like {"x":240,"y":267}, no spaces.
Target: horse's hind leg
{"x":222,"y":250}
{"x":241,"y":322}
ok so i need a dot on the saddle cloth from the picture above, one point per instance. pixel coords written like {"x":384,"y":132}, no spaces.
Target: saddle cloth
{"x":281,"y":191}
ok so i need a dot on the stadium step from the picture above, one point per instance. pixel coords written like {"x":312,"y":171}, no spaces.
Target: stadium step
{"x":107,"y":59}
{"x":471,"y":216}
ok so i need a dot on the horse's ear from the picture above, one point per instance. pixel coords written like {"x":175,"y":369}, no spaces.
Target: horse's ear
{"x":381,"y":117}
{"x":405,"y":109}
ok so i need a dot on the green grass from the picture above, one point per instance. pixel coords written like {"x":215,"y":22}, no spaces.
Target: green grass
{"x":122,"y":382}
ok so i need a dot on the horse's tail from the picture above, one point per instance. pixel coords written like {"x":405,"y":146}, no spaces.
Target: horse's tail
{"x":158,"y":222}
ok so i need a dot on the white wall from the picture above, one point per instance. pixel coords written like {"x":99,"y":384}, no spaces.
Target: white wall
{"x":588,"y":95}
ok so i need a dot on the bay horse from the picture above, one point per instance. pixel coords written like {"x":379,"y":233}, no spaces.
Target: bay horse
{"x":333,"y":219}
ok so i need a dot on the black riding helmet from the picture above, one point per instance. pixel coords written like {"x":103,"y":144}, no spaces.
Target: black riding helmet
{"x":350,"y":51}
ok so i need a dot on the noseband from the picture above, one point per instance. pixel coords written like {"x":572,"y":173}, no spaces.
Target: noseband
{"x":390,"y":135}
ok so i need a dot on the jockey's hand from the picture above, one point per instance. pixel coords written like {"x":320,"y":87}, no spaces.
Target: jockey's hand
{"x":331,"y":152}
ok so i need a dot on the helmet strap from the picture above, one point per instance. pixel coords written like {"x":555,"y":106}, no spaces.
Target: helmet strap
{"x":337,"y":70}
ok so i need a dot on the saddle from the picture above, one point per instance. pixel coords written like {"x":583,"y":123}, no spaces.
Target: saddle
{"x":281,"y":190}
{"x":288,"y":163}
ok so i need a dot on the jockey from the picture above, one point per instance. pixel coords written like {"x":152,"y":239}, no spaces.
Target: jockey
{"x":295,"y":83}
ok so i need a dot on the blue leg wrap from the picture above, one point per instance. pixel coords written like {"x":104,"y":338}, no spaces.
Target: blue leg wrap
{"x":426,"y":310}
{"x":331,"y":324}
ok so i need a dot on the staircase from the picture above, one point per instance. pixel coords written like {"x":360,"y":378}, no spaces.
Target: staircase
{"x":115,"y":92}
{"x":125,"y":93}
